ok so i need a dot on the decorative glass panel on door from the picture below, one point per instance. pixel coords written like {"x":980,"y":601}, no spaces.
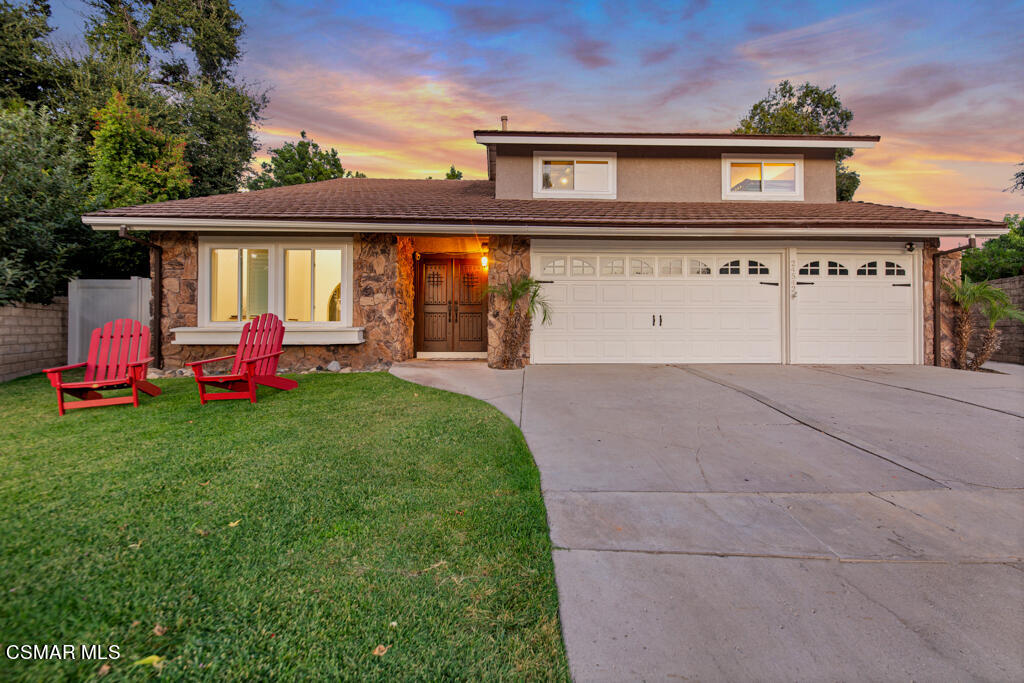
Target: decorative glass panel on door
{"x":612,"y":266}
{"x":582,"y":266}
{"x":553,"y":265}
{"x":892,"y":268}
{"x":641,"y":266}
{"x":670,"y":266}
{"x":730,"y":268}
{"x":698,"y":267}
{"x":812,"y":268}
{"x":756,"y":268}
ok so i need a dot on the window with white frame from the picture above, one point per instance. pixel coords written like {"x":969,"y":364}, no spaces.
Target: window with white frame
{"x":305,"y":282}
{"x":573,"y":175}
{"x":769,"y":177}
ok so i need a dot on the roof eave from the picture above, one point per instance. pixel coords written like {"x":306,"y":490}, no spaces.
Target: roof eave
{"x":853,"y":142}
{"x":725,"y":228}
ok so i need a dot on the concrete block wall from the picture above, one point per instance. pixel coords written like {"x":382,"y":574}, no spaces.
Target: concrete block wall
{"x":32,"y":337}
{"x":1011,"y":349}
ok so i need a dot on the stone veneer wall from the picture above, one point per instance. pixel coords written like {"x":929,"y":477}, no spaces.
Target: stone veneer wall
{"x":949,"y":266}
{"x":33,"y":337}
{"x":1011,"y":348}
{"x":507,"y":257}
{"x":382,"y":266}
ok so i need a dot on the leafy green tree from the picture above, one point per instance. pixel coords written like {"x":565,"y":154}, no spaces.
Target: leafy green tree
{"x":133,"y":162}
{"x":1002,"y":256}
{"x":41,"y":200}
{"x":26,"y":58}
{"x":294,"y":163}
{"x":176,"y":61}
{"x":805,"y":110}
{"x":453,"y":174}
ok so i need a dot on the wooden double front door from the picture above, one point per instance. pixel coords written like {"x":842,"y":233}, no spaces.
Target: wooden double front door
{"x":451,"y":305}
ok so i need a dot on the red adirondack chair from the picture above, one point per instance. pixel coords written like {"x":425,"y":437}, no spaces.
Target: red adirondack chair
{"x":255,"y":363}
{"x":118,"y":358}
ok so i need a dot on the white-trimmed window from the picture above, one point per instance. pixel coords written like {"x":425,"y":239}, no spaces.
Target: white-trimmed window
{"x":305,"y":282}
{"x":763,"y":178}
{"x":574,"y":175}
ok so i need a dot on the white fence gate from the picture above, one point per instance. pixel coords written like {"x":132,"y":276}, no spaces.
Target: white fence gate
{"x":91,"y":303}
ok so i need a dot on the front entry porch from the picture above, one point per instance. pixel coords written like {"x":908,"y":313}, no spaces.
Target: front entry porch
{"x":450,"y":298}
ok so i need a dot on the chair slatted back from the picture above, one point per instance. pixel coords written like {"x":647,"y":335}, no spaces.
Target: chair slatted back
{"x":260,"y":336}
{"x":115,"y":345}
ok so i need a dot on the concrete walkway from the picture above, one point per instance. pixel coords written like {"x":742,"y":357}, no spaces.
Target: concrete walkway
{"x":776,"y":522}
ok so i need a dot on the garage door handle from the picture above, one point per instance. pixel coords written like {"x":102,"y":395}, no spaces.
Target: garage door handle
{"x":652,"y":320}
{"x":805,"y":283}
{"x":773,"y":284}
{"x":546,"y":282}
{"x":659,"y":321}
{"x":898,"y":284}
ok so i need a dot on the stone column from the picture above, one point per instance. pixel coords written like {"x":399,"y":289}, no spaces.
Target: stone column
{"x":949,"y":266}
{"x":508,"y":257}
{"x":382,"y":267}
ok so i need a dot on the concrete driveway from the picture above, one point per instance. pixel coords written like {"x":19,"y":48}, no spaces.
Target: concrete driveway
{"x":765,"y":522}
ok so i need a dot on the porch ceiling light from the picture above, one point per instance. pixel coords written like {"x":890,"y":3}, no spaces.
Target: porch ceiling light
{"x":483,"y":261}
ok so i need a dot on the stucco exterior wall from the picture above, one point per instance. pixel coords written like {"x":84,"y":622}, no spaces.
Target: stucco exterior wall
{"x":658,"y":175}
{"x":382,"y":271}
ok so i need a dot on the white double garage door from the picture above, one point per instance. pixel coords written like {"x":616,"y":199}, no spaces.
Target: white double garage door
{"x":663,"y":303}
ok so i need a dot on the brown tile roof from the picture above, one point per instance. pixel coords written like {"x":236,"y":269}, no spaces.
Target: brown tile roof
{"x":472,"y":202}
{"x":683,"y":136}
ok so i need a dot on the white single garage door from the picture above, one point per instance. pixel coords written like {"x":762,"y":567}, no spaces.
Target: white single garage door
{"x":853,"y":308}
{"x":637,"y":306}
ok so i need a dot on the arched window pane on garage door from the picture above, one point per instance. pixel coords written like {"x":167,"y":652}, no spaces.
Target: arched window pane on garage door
{"x":812,"y":268}
{"x":869,"y":268}
{"x":730,"y":268}
{"x":836,"y":268}
{"x":756,"y":268}
{"x":894,"y":269}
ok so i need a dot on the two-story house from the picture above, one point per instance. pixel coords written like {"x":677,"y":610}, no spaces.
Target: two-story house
{"x":653,"y":248}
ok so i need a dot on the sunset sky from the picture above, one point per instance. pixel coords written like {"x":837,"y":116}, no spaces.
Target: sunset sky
{"x":397,"y":87}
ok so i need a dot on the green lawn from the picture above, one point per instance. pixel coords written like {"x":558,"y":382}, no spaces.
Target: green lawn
{"x":369,"y":511}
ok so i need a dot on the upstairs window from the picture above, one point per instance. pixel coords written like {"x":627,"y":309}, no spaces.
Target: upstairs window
{"x":763,"y":178}
{"x":573,"y":175}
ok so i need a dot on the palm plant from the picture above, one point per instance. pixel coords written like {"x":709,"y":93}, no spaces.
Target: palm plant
{"x":995,"y":309}
{"x":966,"y":294}
{"x":525,"y":300}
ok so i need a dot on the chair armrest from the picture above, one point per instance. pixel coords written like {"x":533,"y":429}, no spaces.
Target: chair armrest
{"x":210,"y":360}
{"x":65,"y":367}
{"x":263,"y":357}
{"x":141,"y":361}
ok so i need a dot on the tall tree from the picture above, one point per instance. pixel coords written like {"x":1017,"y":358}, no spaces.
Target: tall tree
{"x":453,"y":174}
{"x":26,"y":58}
{"x":805,"y":110}
{"x":132,"y":162}
{"x":299,"y":162}
{"x":43,"y":197}
{"x":175,"y":60}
